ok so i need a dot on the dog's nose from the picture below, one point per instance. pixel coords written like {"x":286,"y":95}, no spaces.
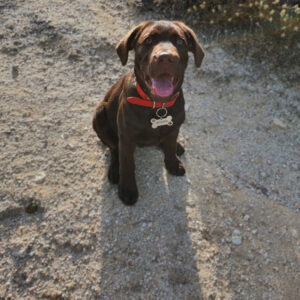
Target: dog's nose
{"x":165,"y":57}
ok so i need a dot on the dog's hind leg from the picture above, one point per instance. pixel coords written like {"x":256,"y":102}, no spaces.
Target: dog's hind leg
{"x":113,"y":171}
{"x":109,"y":138}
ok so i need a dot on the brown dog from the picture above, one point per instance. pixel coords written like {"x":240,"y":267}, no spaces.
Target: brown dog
{"x":146,"y":106}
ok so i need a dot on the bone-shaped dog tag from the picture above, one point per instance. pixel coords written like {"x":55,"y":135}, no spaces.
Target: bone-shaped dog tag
{"x":161,"y":122}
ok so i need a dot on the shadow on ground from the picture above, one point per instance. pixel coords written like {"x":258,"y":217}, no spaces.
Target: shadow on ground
{"x":147,"y":251}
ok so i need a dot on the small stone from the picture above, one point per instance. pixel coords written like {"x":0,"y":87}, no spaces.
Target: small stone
{"x":246,"y":218}
{"x":70,"y":285}
{"x":39,"y":178}
{"x":73,"y":54}
{"x":212,"y":296}
{"x":15,"y":71}
{"x":236,"y":237}
{"x":26,"y":114}
{"x":263,"y":174}
{"x":71,"y":146}
{"x":229,"y":221}
{"x":53,"y":295}
{"x":217,"y":191}
{"x":279,"y":123}
{"x":6,"y":130}
{"x":52,"y":98}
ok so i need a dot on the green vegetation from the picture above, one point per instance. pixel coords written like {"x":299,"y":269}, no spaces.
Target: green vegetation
{"x":274,"y":19}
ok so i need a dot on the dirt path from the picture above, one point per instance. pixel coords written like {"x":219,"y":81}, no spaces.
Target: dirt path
{"x":228,"y":230}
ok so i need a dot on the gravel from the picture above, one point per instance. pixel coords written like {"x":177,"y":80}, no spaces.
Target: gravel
{"x":236,"y":237}
{"x":229,"y":229}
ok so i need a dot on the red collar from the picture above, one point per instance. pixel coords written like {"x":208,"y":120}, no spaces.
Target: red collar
{"x":145,"y":101}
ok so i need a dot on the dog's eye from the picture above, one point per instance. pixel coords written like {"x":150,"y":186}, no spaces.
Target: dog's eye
{"x":179,"y":42}
{"x":149,"y":41}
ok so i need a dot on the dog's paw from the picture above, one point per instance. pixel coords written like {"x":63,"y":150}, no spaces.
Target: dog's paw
{"x":128,"y":196}
{"x":176,"y":168}
{"x":179,"y":149}
{"x":113,"y":173}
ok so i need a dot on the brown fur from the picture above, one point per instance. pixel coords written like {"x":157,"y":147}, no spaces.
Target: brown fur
{"x":121,"y":125}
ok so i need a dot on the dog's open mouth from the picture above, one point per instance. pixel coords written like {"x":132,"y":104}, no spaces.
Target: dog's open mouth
{"x":162,"y":86}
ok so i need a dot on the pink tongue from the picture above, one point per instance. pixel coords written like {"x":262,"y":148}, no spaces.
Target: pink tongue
{"x":163,"y":86}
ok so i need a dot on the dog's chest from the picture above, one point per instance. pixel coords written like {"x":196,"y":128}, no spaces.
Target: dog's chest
{"x":154,"y":129}
{"x":148,"y":137}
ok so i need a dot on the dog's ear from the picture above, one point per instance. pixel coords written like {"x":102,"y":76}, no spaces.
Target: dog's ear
{"x":193,"y":44}
{"x":128,"y":42}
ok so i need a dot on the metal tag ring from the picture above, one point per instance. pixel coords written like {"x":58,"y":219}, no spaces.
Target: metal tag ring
{"x":163,"y":114}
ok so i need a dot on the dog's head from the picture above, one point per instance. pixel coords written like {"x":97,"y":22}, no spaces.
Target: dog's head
{"x":161,"y":55}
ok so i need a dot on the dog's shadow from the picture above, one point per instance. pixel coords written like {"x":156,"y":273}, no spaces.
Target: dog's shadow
{"x":147,"y":251}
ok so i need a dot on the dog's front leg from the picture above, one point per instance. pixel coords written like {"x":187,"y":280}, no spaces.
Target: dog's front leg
{"x":173,"y":164}
{"x":128,"y":192}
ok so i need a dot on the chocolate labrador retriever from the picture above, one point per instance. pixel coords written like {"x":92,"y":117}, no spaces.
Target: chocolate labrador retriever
{"x":146,"y":106}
